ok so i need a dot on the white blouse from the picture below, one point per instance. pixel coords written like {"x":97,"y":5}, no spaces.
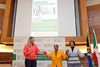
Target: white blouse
{"x":73,"y":55}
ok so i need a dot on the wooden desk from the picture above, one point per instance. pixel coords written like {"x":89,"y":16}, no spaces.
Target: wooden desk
{"x":5,"y":65}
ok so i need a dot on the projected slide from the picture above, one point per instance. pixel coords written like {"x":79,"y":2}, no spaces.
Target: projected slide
{"x":53,"y":18}
{"x":44,"y":18}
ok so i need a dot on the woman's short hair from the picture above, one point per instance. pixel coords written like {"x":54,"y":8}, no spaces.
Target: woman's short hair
{"x":72,"y":41}
{"x":56,"y":45}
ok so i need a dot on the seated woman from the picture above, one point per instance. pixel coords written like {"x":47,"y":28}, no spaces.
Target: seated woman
{"x":56,"y":56}
{"x":73,"y":53}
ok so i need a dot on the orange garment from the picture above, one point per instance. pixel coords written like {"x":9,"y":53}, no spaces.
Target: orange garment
{"x":31,"y":56}
{"x":56,"y":60}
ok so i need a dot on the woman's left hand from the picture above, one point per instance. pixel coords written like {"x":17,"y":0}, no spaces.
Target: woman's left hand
{"x":67,"y":51}
{"x":87,"y":52}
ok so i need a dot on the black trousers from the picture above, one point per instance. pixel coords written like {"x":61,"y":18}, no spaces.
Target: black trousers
{"x":30,"y":63}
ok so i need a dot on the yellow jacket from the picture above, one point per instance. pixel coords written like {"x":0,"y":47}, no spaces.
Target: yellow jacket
{"x":57,"y":60}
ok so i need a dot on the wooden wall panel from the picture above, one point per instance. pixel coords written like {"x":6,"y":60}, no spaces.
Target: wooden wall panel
{"x":1,"y":19}
{"x":6,"y":58}
{"x":7,"y":25}
{"x":94,"y":21}
{"x":2,"y":1}
{"x":10,"y":19}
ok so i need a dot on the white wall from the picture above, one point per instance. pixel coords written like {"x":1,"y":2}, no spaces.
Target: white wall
{"x":66,"y":18}
{"x":23,"y":18}
{"x":92,"y":2}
